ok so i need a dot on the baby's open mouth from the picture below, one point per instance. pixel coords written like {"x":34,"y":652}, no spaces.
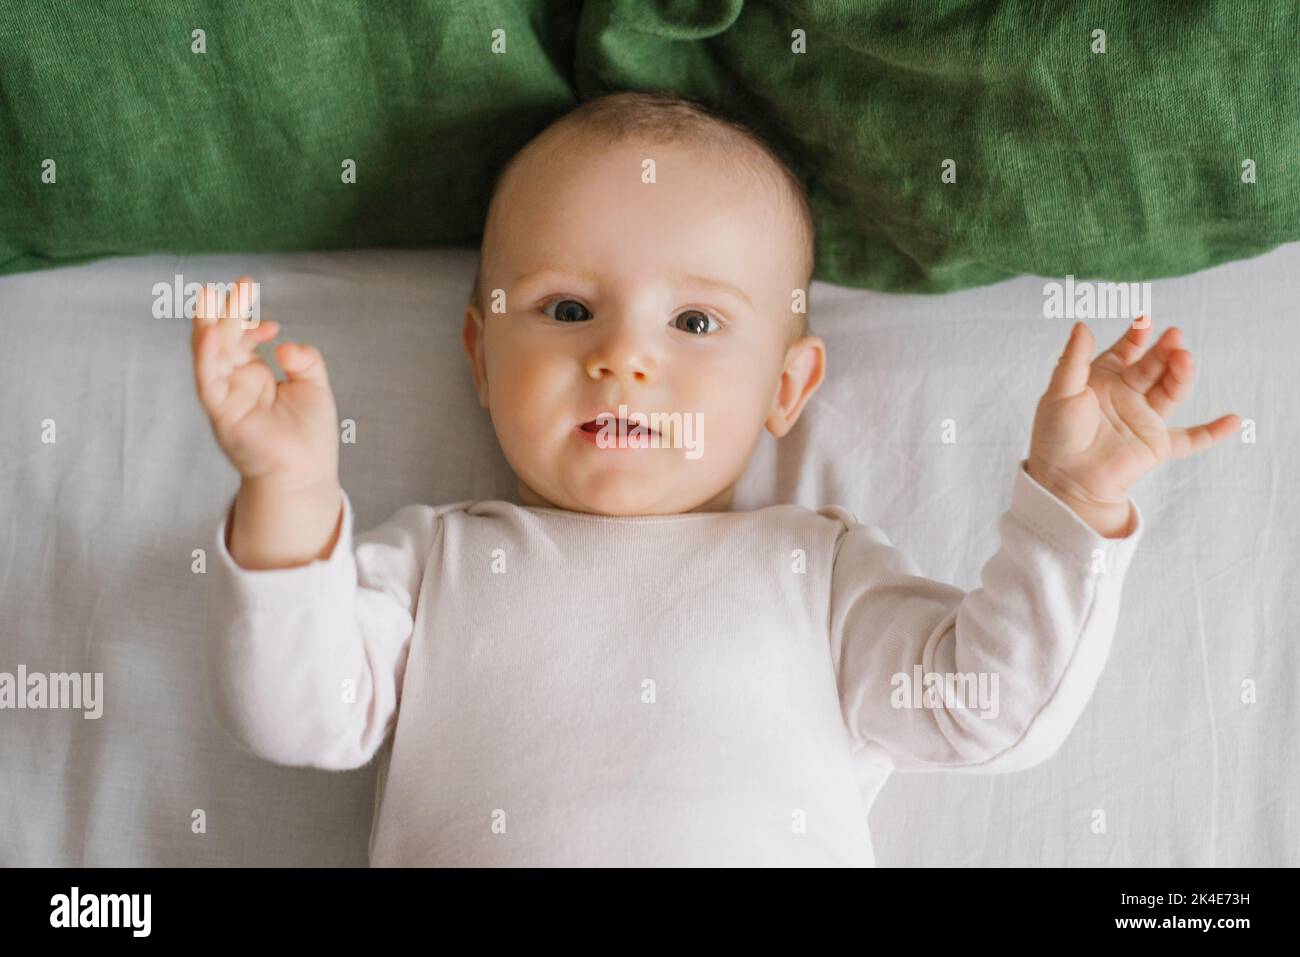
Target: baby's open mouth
{"x":617,"y":426}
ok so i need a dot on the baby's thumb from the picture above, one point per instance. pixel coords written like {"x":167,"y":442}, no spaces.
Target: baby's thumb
{"x":301,"y":361}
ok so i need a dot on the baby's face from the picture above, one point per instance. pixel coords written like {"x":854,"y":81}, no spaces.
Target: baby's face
{"x":666,"y":297}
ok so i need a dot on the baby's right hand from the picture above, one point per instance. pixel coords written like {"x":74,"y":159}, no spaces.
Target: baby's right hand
{"x":284,"y":433}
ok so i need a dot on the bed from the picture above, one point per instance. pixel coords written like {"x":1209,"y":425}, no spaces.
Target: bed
{"x":1186,"y":755}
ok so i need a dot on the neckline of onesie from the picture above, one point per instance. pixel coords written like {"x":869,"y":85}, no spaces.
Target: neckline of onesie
{"x":636,"y":519}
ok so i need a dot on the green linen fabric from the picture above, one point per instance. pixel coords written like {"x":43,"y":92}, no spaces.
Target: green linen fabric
{"x":1175,"y":148}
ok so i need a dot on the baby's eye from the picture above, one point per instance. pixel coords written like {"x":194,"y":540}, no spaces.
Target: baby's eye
{"x":567,"y":310}
{"x":695,"y":322}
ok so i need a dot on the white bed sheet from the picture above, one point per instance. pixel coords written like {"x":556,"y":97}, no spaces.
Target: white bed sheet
{"x":98,"y":530}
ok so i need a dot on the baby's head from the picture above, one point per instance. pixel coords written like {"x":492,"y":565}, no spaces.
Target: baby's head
{"x":641,"y":252}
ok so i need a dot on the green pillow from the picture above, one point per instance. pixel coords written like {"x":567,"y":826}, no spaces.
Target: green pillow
{"x":241,"y":148}
{"x":1132,"y":163}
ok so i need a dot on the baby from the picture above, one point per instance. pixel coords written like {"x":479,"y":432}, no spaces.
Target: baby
{"x":620,"y":670}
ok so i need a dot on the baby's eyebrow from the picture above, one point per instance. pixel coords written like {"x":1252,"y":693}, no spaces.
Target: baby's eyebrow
{"x":558,"y":271}
{"x":588,"y":276}
{"x":721,"y":286}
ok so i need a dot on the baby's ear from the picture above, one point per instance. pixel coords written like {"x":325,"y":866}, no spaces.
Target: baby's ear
{"x":804,"y":369}
{"x":471,"y":337}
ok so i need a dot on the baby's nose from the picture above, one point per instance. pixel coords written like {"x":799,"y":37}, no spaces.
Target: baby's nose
{"x":630,"y":371}
{"x":622,"y":358}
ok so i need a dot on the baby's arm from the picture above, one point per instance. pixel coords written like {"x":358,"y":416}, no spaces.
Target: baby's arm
{"x":1037,"y":631}
{"x":308,"y":630}
{"x":1025,"y":648}
{"x":305,"y":664}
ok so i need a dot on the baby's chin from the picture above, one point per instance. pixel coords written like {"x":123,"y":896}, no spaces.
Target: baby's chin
{"x":615,"y":493}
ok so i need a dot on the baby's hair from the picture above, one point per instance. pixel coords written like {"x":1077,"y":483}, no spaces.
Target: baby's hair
{"x":665,"y":117}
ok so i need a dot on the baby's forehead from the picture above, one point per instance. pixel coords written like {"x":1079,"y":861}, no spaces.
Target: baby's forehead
{"x":631,"y":183}
{"x":573,"y":155}
{"x":584,"y":197}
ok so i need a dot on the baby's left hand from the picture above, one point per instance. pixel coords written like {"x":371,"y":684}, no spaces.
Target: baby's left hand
{"x":1101,"y":425}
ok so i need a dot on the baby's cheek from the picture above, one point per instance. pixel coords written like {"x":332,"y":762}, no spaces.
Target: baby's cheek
{"x":733,"y":409}
{"x":512,"y":380}
{"x":527,"y":399}
{"x":720,"y":427}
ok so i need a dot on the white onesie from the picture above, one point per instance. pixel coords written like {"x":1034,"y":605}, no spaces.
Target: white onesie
{"x":554,"y":688}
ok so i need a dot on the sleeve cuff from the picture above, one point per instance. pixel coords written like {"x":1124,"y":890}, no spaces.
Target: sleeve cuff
{"x":1056,"y":523}
{"x":278,"y":587}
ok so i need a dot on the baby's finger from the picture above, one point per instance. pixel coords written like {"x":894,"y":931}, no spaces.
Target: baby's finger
{"x":1126,"y":348}
{"x":241,"y":299}
{"x":225,"y":305}
{"x":211,"y":369}
{"x":208,"y":304}
{"x":1174,"y":385}
{"x":1071,"y":375}
{"x":302,"y":361}
{"x":250,"y":339}
{"x":1186,"y":441}
{"x":262,"y":332}
{"x":231,"y":327}
{"x":206,"y":313}
{"x":1146,"y":372}
{"x":210,"y":310}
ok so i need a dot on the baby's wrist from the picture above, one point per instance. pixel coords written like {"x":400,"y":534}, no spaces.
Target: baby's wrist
{"x":270,"y":484}
{"x":282,"y":526}
{"x":1108,"y":518}
{"x":1112,"y":521}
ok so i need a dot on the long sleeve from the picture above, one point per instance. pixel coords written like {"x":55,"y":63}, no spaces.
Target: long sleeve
{"x":304,"y":664}
{"x":1016,"y":658}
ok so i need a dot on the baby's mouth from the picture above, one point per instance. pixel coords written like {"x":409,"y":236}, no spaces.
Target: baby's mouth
{"x":617,"y":426}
